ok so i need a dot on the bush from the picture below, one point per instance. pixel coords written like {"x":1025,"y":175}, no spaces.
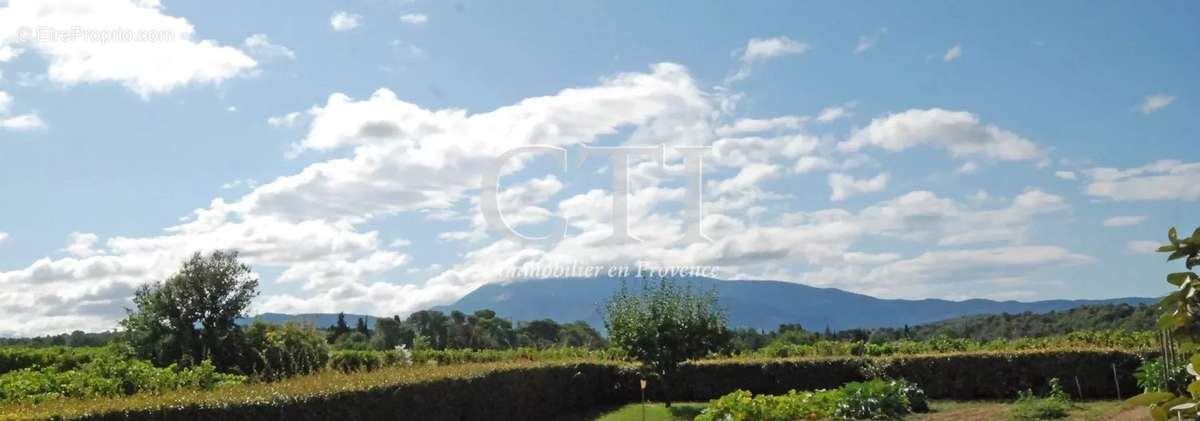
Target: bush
{"x":1150,"y":377}
{"x":1055,"y":405}
{"x":876,"y":399}
{"x":275,"y":352}
{"x":60,"y":358}
{"x":108,"y":375}
{"x":742,"y":405}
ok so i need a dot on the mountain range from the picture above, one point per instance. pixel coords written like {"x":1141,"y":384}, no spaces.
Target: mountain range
{"x":755,"y":304}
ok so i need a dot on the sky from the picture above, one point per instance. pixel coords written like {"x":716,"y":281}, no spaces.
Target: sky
{"x":943,"y":149}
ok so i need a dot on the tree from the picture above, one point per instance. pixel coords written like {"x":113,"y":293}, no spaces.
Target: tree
{"x":433,"y":325}
{"x":1181,"y":314}
{"x":664,"y":326}
{"x":539,"y":333}
{"x":580,"y":334}
{"x":361,"y":327}
{"x":339,"y":328}
{"x":192,"y":315}
{"x":390,"y":333}
{"x":275,"y":352}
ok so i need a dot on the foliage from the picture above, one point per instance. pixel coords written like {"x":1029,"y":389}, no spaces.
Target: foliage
{"x":988,"y":327}
{"x":1181,"y":313}
{"x":665,"y":325}
{"x":514,"y":390}
{"x":1056,"y":404}
{"x":59,"y":358}
{"x":1150,"y":377}
{"x":273,"y":352}
{"x":876,"y":399}
{"x":938,"y":345}
{"x":523,"y":389}
{"x":108,"y":375}
{"x":191,"y":316}
{"x":349,"y":361}
{"x":74,"y":339}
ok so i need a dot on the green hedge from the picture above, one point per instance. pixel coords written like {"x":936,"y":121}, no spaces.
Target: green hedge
{"x":527,"y":390}
{"x":969,"y":376}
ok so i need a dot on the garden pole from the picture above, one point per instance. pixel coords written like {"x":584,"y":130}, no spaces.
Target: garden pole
{"x":1116,"y":381}
{"x":643,"y":399}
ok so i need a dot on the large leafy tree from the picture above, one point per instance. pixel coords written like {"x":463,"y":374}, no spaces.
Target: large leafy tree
{"x":664,"y":325}
{"x":432,"y":325}
{"x":192,"y":315}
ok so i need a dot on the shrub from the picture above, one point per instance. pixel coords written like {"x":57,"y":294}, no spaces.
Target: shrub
{"x":1055,"y":405}
{"x":351,"y":361}
{"x":108,"y":375}
{"x":1151,"y":374}
{"x":742,"y":405}
{"x":275,"y":352}
{"x":876,"y":399}
{"x":60,"y":358}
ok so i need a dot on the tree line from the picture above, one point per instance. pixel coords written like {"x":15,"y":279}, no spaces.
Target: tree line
{"x":483,"y":329}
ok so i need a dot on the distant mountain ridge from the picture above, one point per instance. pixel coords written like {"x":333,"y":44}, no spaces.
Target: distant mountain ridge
{"x":756,"y":304}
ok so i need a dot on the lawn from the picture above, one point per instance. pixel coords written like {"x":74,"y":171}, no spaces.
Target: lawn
{"x":941,"y":411}
{"x":654,"y":411}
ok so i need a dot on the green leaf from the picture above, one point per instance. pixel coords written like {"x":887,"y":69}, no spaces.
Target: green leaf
{"x":1169,"y":322}
{"x":1167,"y":248}
{"x":1176,"y":255}
{"x":1194,"y":388}
{"x":1173,"y":236}
{"x":1149,"y":398}
{"x":1178,"y":278}
{"x":1171,"y":298}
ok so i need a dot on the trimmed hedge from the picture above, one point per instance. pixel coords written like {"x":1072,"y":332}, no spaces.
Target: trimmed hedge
{"x":968,"y":376}
{"x":542,"y":390}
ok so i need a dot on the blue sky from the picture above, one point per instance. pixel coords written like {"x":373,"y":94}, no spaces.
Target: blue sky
{"x":944,"y":149}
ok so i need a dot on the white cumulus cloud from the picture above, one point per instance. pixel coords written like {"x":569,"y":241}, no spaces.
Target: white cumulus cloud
{"x":1124,"y":221}
{"x":344,"y":21}
{"x":958,"y":132}
{"x":1160,"y":180}
{"x":763,"y":49}
{"x":1154,"y":103}
{"x":163,"y":56}
{"x":844,"y":186}
{"x":953,"y":53}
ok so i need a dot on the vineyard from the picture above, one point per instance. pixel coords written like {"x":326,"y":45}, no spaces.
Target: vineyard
{"x":525,"y":389}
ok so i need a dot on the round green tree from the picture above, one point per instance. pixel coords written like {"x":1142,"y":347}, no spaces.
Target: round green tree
{"x":664,"y":325}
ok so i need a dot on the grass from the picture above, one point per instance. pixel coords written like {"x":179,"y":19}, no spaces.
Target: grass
{"x":654,"y":412}
{"x":1081,"y":411}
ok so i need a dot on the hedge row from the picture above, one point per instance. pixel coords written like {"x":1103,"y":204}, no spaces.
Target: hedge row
{"x":544,"y":390}
{"x":968,"y":376}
